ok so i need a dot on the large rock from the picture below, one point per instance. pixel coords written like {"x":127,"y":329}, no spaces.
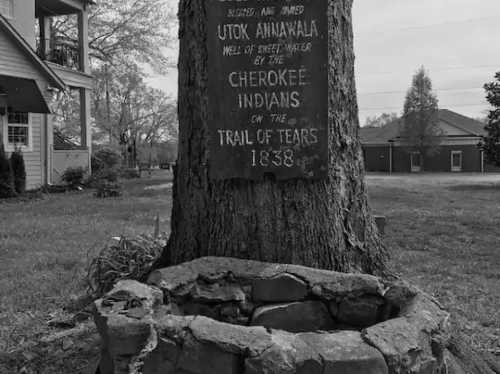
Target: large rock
{"x":294,"y":317}
{"x":162,"y":360}
{"x":425,"y":312}
{"x":280,"y":288}
{"x":206,"y":358}
{"x":287,"y":354}
{"x":405,"y":347}
{"x":241,"y":340}
{"x":363,"y":311}
{"x":345,"y":352}
{"x":399,"y":293}
{"x":130,"y":304}
{"x":214,"y":293}
{"x":133,"y":295}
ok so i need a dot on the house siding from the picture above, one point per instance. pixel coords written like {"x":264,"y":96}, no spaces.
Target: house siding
{"x":16,"y":60}
{"x":24,"y":20}
{"x":13,"y":62}
{"x":33,"y":160}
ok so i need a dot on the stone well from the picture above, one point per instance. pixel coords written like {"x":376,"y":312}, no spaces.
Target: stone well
{"x":229,"y":316}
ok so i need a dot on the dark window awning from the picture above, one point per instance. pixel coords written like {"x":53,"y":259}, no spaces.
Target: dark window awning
{"x":23,"y":95}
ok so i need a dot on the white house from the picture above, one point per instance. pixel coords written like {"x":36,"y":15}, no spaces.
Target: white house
{"x":31,"y":71}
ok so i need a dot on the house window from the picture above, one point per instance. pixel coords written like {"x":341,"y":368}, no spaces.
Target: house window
{"x":18,"y":130}
{"x":6,"y":8}
{"x":456,"y":160}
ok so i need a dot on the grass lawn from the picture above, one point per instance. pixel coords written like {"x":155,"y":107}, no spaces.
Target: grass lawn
{"x":45,"y":246}
{"x":443,"y":232}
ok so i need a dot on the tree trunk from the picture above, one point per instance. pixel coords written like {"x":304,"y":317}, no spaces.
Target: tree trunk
{"x":318,"y":223}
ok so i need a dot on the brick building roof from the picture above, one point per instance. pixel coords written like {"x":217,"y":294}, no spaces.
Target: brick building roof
{"x":382,"y":135}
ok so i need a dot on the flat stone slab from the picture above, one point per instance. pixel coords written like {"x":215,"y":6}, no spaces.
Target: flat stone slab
{"x":280,"y":288}
{"x":294,"y":317}
{"x":345,"y":352}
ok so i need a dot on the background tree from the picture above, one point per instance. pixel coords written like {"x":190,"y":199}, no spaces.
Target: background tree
{"x":161,"y":126}
{"x":381,"y":120}
{"x":419,"y":129}
{"x":131,"y":113}
{"x":139,"y":30}
{"x":491,"y":142}
{"x":324,"y":224}
{"x":126,"y":38}
{"x":66,"y":115}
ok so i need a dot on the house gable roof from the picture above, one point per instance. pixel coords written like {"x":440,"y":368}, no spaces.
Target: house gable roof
{"x":39,"y":64}
{"x":461,"y":126}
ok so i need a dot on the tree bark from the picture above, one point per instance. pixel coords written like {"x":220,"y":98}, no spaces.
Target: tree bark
{"x":324,"y":224}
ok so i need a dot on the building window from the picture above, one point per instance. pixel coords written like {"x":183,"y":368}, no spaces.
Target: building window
{"x":456,"y":160}
{"x":6,"y":8}
{"x":416,"y":162}
{"x":18,"y":130}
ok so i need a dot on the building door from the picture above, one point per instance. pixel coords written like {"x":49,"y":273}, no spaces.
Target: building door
{"x":456,"y":161}
{"x":416,"y":162}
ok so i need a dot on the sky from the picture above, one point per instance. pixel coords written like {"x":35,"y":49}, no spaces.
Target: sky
{"x":457,"y":41}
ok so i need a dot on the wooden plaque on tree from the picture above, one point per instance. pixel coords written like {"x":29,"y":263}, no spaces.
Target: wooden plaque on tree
{"x":268,"y":88}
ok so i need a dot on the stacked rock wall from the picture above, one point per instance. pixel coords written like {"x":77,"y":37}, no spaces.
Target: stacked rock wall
{"x":286,"y":297}
{"x":221,"y":315}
